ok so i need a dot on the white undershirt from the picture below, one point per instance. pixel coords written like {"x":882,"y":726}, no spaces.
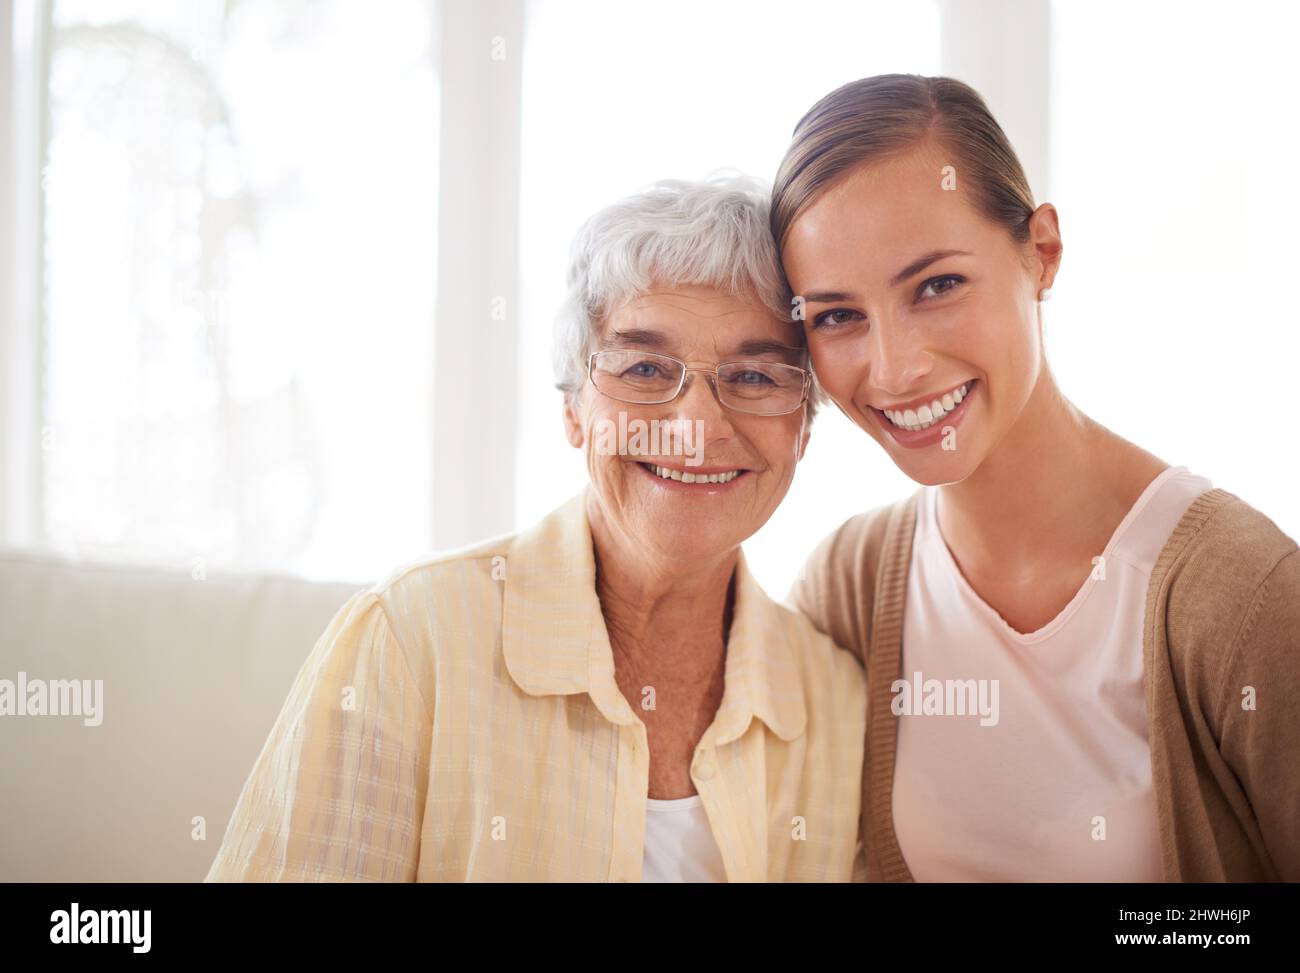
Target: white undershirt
{"x":1029,"y":797}
{"x":679,"y":844}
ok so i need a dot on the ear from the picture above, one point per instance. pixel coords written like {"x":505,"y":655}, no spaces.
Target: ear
{"x":573,"y":430}
{"x":1045,"y":238}
{"x":805,"y":429}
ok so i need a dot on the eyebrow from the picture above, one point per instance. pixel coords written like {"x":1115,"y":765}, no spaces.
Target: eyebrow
{"x":634,"y":337}
{"x":760,"y":346}
{"x":911,"y":270}
{"x":918,"y":265}
{"x":645,"y":338}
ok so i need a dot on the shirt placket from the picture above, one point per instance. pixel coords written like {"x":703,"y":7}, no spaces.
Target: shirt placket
{"x":632,"y":785}
{"x":728,"y":788}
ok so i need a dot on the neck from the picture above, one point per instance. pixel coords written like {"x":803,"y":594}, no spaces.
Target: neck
{"x":662,"y":617}
{"x":1036,"y":482}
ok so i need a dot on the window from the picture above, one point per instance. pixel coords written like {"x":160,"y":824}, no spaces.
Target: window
{"x":239,"y":258}
{"x":1171,"y":321}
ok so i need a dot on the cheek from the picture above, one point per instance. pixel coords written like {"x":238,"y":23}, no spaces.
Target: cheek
{"x":978,"y":334}
{"x":597,"y":421}
{"x":778,"y":444}
{"x":839,"y":366}
{"x":999,"y":339}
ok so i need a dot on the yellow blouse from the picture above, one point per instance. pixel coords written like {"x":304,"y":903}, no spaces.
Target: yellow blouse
{"x":460,"y":721}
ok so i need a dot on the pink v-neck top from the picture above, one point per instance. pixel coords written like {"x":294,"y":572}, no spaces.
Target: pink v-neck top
{"x":1024,"y":756}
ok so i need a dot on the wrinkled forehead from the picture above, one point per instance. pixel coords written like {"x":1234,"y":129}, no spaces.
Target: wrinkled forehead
{"x":701,"y":324}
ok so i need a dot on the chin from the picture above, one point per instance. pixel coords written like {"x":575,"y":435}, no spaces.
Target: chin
{"x":936,"y":471}
{"x":690,"y":542}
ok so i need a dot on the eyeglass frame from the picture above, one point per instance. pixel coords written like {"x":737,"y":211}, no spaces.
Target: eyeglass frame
{"x":713,"y":385}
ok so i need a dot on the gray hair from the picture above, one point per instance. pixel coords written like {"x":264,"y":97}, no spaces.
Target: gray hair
{"x":712,"y":232}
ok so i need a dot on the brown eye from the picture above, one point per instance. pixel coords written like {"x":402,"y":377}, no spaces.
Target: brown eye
{"x":835,"y":316}
{"x":940,"y":285}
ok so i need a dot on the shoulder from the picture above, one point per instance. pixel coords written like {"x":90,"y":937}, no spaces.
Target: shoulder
{"x":462,"y":566}
{"x":818,"y":654}
{"x":439,"y":588}
{"x":862,"y":533}
{"x":853,"y":550}
{"x":1219,"y":554}
{"x":837,"y":584}
{"x":444,"y":602}
{"x":833,"y":681}
{"x":1229,"y":578}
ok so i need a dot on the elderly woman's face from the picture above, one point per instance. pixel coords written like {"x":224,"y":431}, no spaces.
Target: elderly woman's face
{"x":741,"y":464}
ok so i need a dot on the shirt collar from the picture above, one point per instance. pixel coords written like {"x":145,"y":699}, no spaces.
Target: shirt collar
{"x":555,"y":641}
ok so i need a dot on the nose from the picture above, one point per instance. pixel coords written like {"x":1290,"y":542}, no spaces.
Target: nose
{"x":698,"y":402}
{"x":898,"y":359}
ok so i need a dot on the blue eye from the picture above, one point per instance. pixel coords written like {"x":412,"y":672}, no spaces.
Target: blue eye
{"x":751,"y":377}
{"x":642,"y":369}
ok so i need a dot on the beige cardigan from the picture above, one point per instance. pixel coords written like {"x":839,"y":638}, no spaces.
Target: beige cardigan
{"x":1222,"y":614}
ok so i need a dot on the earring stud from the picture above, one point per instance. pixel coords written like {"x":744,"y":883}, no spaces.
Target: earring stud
{"x":1045,"y":294}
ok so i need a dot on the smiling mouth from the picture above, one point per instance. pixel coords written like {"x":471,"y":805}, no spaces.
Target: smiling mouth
{"x":682,"y":476}
{"x":914,"y":420}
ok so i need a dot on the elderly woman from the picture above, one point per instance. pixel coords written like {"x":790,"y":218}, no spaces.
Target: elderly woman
{"x":609,"y":696}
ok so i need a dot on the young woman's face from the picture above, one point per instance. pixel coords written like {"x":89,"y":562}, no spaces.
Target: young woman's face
{"x":921,"y":314}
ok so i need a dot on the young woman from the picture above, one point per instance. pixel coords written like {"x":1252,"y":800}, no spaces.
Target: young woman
{"x":1083,"y":663}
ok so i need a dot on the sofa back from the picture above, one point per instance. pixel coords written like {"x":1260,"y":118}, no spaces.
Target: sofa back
{"x":194,"y":673}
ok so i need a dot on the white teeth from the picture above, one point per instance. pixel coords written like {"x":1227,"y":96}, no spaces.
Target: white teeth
{"x":671,"y":474}
{"x":928,"y":415}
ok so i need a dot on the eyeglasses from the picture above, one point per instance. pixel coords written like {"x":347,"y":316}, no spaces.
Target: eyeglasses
{"x":757,"y":387}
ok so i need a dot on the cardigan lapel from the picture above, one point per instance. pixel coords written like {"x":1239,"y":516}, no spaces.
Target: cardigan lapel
{"x":884,"y":664}
{"x":1182,"y":852}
